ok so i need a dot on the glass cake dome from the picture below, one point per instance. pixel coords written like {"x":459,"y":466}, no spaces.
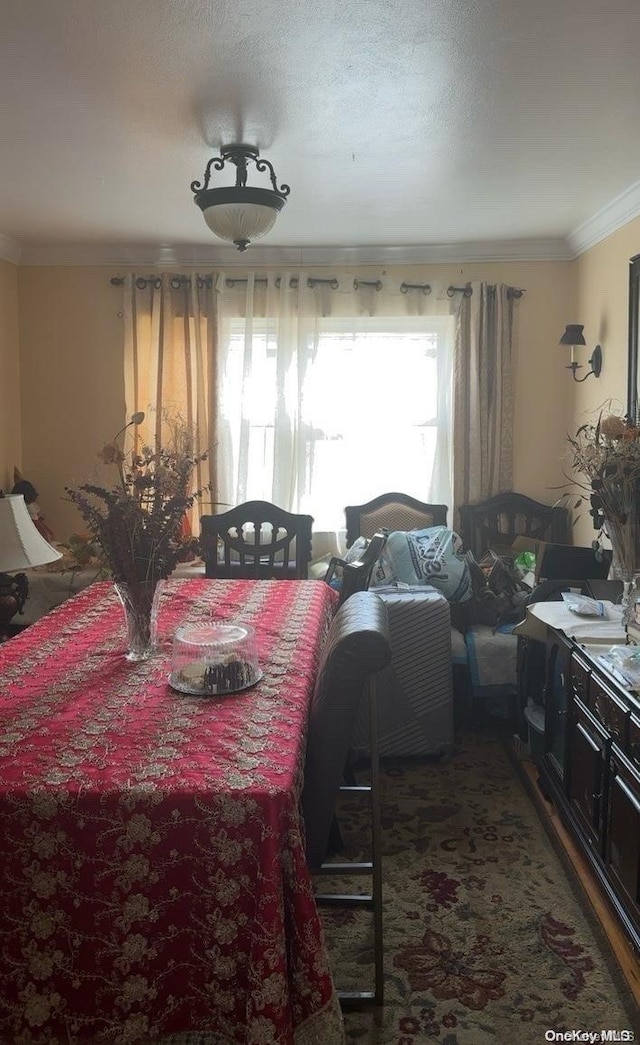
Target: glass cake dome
{"x":214,"y":659}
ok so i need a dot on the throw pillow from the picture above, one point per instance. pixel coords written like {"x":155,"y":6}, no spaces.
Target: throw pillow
{"x":431,"y":556}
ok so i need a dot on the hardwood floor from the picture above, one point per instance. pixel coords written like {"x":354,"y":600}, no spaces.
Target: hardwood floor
{"x":624,"y":952}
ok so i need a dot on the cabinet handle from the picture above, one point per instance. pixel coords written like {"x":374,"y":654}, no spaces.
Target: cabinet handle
{"x":605,"y":718}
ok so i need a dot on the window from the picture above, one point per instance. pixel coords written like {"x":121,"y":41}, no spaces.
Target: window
{"x":360,"y":408}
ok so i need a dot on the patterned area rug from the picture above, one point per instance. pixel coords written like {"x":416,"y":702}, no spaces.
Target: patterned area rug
{"x":487,"y":938}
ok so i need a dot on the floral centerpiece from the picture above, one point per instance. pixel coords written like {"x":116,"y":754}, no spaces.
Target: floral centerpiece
{"x":139,"y":521}
{"x":607,"y":455}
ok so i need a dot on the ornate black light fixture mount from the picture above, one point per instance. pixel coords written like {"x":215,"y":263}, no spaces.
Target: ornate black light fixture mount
{"x":573,"y":336}
{"x":239,"y":213}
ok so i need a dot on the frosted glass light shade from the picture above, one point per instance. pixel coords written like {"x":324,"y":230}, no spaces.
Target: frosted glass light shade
{"x":240,"y":214}
{"x":240,"y":221}
{"x":21,"y":543}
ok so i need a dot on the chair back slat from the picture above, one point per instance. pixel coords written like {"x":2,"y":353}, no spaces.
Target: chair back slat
{"x":256,"y":540}
{"x":496,"y":522}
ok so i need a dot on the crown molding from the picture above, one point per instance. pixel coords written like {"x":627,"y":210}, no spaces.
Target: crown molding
{"x":258,"y":256}
{"x":10,"y":250}
{"x":618,"y":212}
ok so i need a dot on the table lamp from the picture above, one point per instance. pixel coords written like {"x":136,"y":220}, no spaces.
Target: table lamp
{"x":21,"y":546}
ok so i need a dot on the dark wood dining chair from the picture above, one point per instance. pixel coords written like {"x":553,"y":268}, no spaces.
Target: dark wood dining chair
{"x":256,"y":540}
{"x":392,"y":511}
{"x":355,"y":575}
{"x":357,"y":648}
{"x":494,"y":524}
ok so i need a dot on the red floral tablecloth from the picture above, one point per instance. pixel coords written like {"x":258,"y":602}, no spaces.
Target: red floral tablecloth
{"x":152,"y":864}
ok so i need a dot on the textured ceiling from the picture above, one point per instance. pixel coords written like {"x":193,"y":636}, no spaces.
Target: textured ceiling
{"x":397,"y":123}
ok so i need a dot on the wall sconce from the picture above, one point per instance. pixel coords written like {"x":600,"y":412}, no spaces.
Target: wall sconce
{"x":239,"y":213}
{"x":573,"y":336}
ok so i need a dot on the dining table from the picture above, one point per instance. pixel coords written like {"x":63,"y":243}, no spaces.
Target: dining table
{"x":154,"y":886}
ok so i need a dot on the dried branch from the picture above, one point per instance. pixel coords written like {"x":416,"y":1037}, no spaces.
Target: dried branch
{"x":138,"y":521}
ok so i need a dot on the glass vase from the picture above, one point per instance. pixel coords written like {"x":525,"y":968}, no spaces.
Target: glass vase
{"x":629,"y":600}
{"x":140,"y":602}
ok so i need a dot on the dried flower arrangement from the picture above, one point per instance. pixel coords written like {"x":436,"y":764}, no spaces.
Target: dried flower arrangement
{"x":138,"y":521}
{"x":608,"y":455}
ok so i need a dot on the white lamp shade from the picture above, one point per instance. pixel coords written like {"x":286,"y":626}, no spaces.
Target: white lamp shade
{"x":21,"y":543}
{"x":240,"y":221}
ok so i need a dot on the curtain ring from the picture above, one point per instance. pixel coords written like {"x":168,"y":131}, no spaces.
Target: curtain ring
{"x":424,"y":287}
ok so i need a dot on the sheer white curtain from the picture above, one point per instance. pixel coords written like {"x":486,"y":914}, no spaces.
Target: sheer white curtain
{"x":331,"y":391}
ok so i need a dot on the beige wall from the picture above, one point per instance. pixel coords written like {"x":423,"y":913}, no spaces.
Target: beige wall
{"x":10,"y":440}
{"x":71,"y":336}
{"x":603,"y":307}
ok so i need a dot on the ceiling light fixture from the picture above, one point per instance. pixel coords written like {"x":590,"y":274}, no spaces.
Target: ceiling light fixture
{"x":239,"y":213}
{"x":573,"y":336}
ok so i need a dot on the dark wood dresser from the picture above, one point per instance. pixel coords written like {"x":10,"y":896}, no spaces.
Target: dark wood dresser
{"x":589,"y":762}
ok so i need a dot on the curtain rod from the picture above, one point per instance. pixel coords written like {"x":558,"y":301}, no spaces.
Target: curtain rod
{"x":312,"y":281}
{"x":207,"y":281}
{"x":512,"y":292}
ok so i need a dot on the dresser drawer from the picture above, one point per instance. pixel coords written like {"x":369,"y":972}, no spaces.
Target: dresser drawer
{"x":610,"y":710}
